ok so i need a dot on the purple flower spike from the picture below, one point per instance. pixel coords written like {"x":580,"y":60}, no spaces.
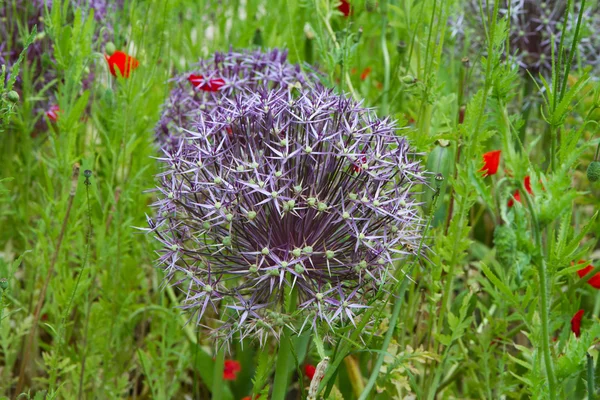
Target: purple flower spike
{"x":222,"y":76}
{"x":277,"y":190}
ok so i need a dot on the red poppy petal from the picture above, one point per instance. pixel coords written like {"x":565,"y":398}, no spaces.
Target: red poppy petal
{"x":123,"y":62}
{"x":366,"y":72}
{"x":594,"y":280}
{"x":230,"y":369}
{"x":576,"y":323}
{"x":345,"y":8}
{"x":527,"y":183}
{"x":491,"y":160}
{"x":517,"y":197}
{"x":310,"y":370}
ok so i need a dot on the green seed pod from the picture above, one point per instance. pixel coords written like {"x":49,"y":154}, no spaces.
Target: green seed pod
{"x":12,"y":96}
{"x":593,"y":171}
{"x":3,"y":284}
{"x":409,"y":80}
{"x":505,"y":241}
{"x":257,"y":40}
{"x":371,"y":5}
{"x":401,"y":47}
{"x":110,"y":48}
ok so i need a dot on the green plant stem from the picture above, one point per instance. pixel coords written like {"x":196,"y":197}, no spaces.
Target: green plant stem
{"x":544,"y":305}
{"x":590,"y":377}
{"x":397,"y":306}
{"x":1,"y":304}
{"x":284,"y":355}
{"x":217,"y":389}
{"x":280,"y":384}
{"x":386,"y":58}
{"x":42,"y":297}
{"x":333,"y":38}
{"x":526,"y":112}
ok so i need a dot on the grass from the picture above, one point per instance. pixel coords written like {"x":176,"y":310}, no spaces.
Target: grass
{"x":84,"y":313}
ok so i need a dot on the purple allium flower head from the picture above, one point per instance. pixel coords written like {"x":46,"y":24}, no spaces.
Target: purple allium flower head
{"x":276,"y":190}
{"x":535,"y":27}
{"x":229,"y":73}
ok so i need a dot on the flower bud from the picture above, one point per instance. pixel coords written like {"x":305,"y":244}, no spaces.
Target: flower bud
{"x":12,"y":96}
{"x":371,"y":5}
{"x":401,"y":47}
{"x":110,"y":48}
{"x":3,"y":284}
{"x":409,"y":80}
{"x":593,"y":171}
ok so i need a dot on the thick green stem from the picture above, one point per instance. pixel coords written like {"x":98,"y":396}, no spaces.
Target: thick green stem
{"x":280,"y":384}
{"x":217,"y":389}
{"x":526,"y":113}
{"x":284,"y":355}
{"x":544,"y":304}
{"x":590,"y":377}
{"x":1,"y":304}
{"x":397,"y":306}
{"x":386,"y":58}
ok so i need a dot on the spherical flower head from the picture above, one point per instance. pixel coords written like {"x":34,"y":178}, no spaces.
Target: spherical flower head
{"x":319,"y":228}
{"x":220,"y":77}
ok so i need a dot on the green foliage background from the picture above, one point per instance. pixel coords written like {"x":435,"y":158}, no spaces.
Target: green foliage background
{"x":478,"y":317}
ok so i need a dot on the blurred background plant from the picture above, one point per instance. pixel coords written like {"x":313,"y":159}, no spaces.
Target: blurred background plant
{"x":492,"y":311}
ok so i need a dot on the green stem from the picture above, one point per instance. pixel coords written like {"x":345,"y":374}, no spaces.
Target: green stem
{"x":280,"y":384}
{"x":397,"y":306}
{"x":217,"y":389}
{"x":284,"y":355}
{"x":386,"y":58}
{"x":526,"y":112}
{"x":1,"y":304}
{"x":590,"y":377}
{"x":544,"y":305}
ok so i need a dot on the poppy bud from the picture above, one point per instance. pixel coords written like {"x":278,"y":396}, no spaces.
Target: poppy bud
{"x":12,"y":96}
{"x":110,"y":48}
{"x":593,"y":171}
{"x":505,"y":241}
{"x":3,"y":284}
{"x":309,"y":32}
{"x":401,"y":47}
{"x":257,"y":40}
{"x":371,"y":5}
{"x":409,"y":80}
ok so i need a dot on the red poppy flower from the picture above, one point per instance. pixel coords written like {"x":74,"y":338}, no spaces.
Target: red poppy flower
{"x":527,"y":183}
{"x":230,"y":370}
{"x":310,"y":370}
{"x":576,"y":323}
{"x":517,"y":195}
{"x":255,"y":397}
{"x":345,"y":8}
{"x":357,"y":167}
{"x":491,"y":160}
{"x":208,"y":85}
{"x":124,"y":63}
{"x":52,"y":113}
{"x":365,"y":74}
{"x":595,"y":280}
